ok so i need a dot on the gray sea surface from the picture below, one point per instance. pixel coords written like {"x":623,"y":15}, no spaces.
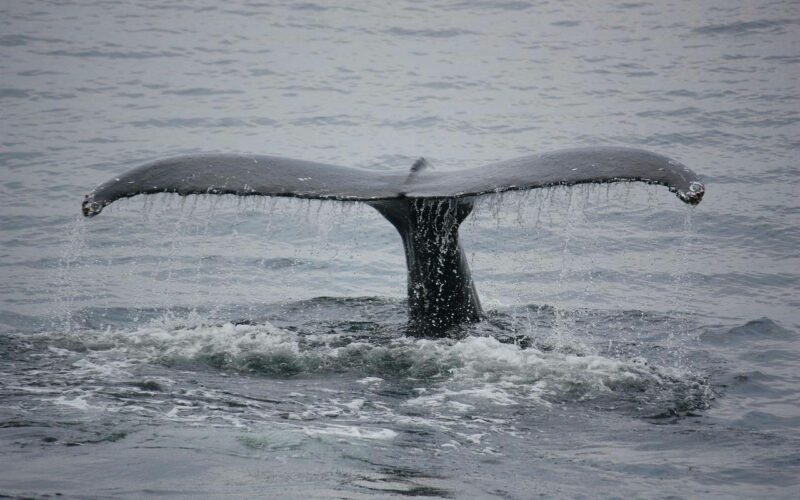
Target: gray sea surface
{"x":212,"y":347}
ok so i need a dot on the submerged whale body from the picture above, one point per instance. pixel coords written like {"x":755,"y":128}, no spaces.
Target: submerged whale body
{"x":425,"y":207}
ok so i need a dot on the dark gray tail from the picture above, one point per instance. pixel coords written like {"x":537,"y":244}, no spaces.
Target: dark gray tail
{"x":426,"y":207}
{"x":441,"y":293}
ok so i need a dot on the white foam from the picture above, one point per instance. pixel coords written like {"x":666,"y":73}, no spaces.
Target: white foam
{"x":355,"y":405}
{"x":370,"y":380}
{"x":492,"y":361}
{"x":472,"y":438}
{"x":351,"y":431}
{"x":31,"y":389}
{"x":102,"y":368}
{"x":487,"y":371}
{"x":79,"y":402}
{"x":235,"y":340}
{"x":456,"y":378}
{"x":487,"y":392}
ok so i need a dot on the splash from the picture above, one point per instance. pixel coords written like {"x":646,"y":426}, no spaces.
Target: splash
{"x":451,"y":372}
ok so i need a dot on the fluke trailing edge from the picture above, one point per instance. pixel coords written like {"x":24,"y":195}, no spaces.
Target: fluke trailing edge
{"x":425,"y":206}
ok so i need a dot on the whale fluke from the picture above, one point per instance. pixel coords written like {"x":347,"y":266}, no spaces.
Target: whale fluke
{"x":244,"y":175}
{"x":248,"y":175}
{"x":425,"y":206}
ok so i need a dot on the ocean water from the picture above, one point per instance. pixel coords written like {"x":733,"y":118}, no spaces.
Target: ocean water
{"x":223,"y":348}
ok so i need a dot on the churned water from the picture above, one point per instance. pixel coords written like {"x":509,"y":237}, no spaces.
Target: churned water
{"x":214,"y":347}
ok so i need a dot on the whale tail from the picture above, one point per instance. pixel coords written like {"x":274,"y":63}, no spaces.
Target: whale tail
{"x":441,"y":292}
{"x":425,"y":207}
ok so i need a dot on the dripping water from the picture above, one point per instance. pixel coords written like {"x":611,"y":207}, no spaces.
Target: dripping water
{"x":66,"y":284}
